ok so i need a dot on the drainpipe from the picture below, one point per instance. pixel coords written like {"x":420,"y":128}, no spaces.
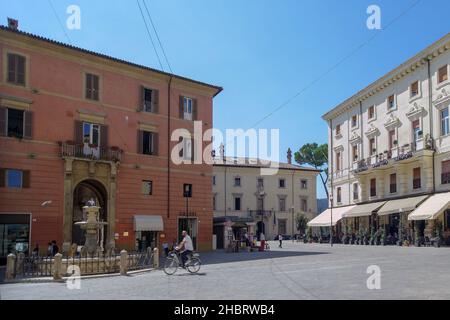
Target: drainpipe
{"x":168,"y":146}
{"x":330,"y":172}
{"x":430,"y":114}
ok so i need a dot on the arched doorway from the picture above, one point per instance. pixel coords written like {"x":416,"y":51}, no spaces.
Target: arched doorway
{"x":84,"y":191}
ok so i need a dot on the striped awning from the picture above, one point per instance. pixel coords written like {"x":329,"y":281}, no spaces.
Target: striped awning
{"x":327,"y":218}
{"x":401,"y":205}
{"x":431,"y":208}
{"x":148,"y":223}
{"x":364,"y":210}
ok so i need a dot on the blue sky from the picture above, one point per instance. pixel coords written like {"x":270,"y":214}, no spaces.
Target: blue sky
{"x":262,"y":52}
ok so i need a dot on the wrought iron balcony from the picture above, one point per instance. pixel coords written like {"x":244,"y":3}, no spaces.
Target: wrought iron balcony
{"x":259,"y":213}
{"x":91,"y":152}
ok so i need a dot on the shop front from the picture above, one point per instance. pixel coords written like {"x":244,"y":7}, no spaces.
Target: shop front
{"x":14,"y":235}
{"x":147,"y":230}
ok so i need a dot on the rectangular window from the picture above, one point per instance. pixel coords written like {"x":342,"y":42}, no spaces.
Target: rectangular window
{"x":260,"y":183}
{"x":445,"y":123}
{"x":414,"y":90}
{"x":417,"y":132}
{"x":92,"y":86}
{"x":416,"y":179}
{"x":147,"y":97}
{"x":443,"y":74}
{"x":373,"y":187}
{"x":393,"y":183}
{"x":188,"y":108}
{"x":91,"y":134}
{"x":445,"y":179}
{"x":338,"y":129}
{"x":15,"y":123}
{"x":304,"y":184}
{"x":16,"y":69}
{"x":214,"y":202}
{"x":371,"y":112}
{"x":237,"y":203}
{"x":354,"y":121}
{"x":282,"y":183}
{"x":355,"y":191}
{"x":282,"y":204}
{"x":13,"y":178}
{"x":339,"y":195}
{"x":391,"y":102}
{"x":237,"y":181}
{"x":304,"y":205}
{"x":372,"y":146}
{"x":147,"y":187}
{"x":187,"y":148}
{"x":149,"y":141}
{"x":355,"y":152}
{"x":338,"y":161}
{"x":392,"y":140}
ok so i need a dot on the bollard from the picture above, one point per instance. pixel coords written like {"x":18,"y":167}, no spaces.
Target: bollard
{"x":10,"y":267}
{"x":123,"y":262}
{"x":156,"y":258}
{"x":57,"y":267}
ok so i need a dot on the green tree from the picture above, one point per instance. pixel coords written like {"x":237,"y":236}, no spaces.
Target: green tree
{"x":302,"y":223}
{"x":316,"y":156}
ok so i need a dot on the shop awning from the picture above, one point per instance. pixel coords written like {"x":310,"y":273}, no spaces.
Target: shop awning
{"x":404,"y":205}
{"x":324,"y":219}
{"x":364,"y":210}
{"x":148,"y":223}
{"x":432,"y":207}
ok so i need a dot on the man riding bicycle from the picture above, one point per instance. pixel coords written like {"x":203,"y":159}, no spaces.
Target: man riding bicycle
{"x":186,"y":246}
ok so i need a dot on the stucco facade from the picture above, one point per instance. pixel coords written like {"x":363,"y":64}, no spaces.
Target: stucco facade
{"x":266,"y":203}
{"x":391,"y":139}
{"x":52,"y":99}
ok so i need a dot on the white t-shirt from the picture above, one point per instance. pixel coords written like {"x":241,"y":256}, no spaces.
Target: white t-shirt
{"x":280,"y":237}
{"x":188,"y":243}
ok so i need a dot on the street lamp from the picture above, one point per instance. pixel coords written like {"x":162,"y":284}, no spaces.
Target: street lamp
{"x":187,"y":193}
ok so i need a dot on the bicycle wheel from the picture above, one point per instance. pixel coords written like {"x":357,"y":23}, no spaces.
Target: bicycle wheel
{"x":170,"y":266}
{"x":193,"y":265}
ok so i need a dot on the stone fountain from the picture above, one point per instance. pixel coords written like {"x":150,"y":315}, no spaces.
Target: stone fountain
{"x":91,"y":227}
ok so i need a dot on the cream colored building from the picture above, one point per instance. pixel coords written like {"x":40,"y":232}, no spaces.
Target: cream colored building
{"x":246,"y":201}
{"x":389,"y":146}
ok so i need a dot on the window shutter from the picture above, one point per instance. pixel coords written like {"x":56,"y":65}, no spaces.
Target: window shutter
{"x":96,"y":88}
{"x":78,"y":135}
{"x":194,"y":109}
{"x":2,"y":178}
{"x":11,"y":67}
{"x":140,"y":141}
{"x":88,"y":86}
{"x":155,"y":101}
{"x":20,"y":70}
{"x":28,"y":125}
{"x":181,"y":107}
{"x":3,"y":122}
{"x":104,"y":136}
{"x":142,"y":102}
{"x":26,"y":179}
{"x":155,"y":144}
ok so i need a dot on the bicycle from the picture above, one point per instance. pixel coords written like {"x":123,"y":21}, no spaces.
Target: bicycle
{"x":173,"y":262}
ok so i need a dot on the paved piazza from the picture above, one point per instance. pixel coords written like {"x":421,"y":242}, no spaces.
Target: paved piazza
{"x":298,"y":271}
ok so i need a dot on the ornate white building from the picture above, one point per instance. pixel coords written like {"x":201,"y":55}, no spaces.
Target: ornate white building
{"x":389,"y":148}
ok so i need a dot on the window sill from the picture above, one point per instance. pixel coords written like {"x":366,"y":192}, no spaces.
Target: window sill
{"x":391,"y":110}
{"x":415,"y":98}
{"x":372,"y":120}
{"x":443,"y":84}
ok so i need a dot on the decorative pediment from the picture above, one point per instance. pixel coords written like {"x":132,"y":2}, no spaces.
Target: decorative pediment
{"x":442,"y":97}
{"x":355,"y":138}
{"x":415,"y":112}
{"x":392,"y":122}
{"x":372,"y":132}
{"x":339,"y":148}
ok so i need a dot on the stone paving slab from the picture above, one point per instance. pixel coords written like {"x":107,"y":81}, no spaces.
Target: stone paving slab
{"x":298,"y":271}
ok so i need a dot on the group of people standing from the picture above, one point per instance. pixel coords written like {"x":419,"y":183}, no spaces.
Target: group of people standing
{"x":52,"y":249}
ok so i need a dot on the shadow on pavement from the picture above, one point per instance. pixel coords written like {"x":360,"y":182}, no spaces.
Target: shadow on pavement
{"x":223,"y":257}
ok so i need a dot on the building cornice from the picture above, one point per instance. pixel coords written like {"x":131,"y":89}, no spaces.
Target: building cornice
{"x":416,"y":62}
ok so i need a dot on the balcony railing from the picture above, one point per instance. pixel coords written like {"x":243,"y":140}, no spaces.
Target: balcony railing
{"x":445,"y":178}
{"x":259,"y":213}
{"x":90,"y":152}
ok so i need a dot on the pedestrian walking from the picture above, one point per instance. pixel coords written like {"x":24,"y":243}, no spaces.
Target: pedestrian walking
{"x":50,"y":249}
{"x":165,"y":246}
{"x":55,"y":248}
{"x":280,"y":238}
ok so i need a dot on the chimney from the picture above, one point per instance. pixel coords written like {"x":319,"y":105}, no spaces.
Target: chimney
{"x":289,"y":156}
{"x":13,"y":23}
